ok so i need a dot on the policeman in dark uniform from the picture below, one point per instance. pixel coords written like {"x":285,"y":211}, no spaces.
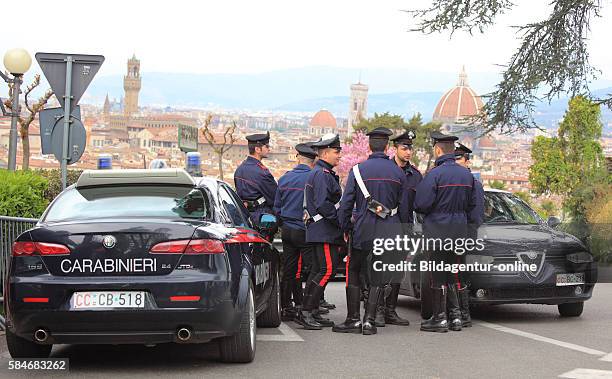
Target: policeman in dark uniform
{"x":254,"y":183}
{"x":445,"y":196}
{"x":403,"y":154}
{"x":289,"y":206}
{"x":475,"y":219}
{"x":322,"y":195}
{"x":379,"y":189}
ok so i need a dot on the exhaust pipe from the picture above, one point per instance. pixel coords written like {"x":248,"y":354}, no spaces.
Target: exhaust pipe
{"x":41,"y":335}
{"x":183,"y":334}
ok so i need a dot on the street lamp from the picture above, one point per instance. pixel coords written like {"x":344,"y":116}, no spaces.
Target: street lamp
{"x":17,"y":62}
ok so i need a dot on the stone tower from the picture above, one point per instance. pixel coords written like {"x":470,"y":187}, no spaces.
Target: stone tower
{"x":106,"y":108}
{"x":131,"y":86}
{"x":358,"y":105}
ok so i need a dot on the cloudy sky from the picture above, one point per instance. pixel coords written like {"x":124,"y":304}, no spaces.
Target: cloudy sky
{"x":230,"y":36}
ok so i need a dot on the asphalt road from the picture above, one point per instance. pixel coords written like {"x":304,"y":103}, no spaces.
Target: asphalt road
{"x":512,"y":341}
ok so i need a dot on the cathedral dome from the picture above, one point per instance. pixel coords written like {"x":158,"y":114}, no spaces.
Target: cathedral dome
{"x":323,"y":119}
{"x":458,"y":103}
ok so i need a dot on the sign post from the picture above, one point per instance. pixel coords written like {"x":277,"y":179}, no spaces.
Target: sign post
{"x":69,"y":76}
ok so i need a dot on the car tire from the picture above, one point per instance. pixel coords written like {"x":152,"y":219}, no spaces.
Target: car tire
{"x":426,"y":306}
{"x":240,"y":348}
{"x":571,"y":309}
{"x":21,"y":348}
{"x":271,"y":317}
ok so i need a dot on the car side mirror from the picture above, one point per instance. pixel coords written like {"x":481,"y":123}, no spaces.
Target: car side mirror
{"x":553,"y":221}
{"x":267,"y":222}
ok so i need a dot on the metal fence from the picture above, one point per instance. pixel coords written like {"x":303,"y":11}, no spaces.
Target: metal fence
{"x":10,"y":229}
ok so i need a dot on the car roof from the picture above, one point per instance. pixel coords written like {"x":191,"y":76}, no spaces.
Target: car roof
{"x":171,"y":176}
{"x":497,"y":190}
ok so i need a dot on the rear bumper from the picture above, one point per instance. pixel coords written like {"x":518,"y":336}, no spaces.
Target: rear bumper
{"x":216,"y":314}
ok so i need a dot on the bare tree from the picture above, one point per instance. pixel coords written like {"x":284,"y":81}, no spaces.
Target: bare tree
{"x":24,"y":122}
{"x":219,"y":147}
{"x":552,"y":55}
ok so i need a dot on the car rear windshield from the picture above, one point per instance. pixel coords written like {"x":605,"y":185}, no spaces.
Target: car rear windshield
{"x":507,"y":208}
{"x":130,"y":201}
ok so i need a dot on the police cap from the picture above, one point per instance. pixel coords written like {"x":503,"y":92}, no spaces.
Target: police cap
{"x":305,"y":150}
{"x":259,"y":139}
{"x":404,"y":138}
{"x":380,"y":133}
{"x":439,"y":137}
{"x":327,"y":141}
{"x":462,"y":150}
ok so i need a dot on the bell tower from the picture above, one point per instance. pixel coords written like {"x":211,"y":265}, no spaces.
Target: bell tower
{"x":131,"y":86}
{"x":358,"y":106}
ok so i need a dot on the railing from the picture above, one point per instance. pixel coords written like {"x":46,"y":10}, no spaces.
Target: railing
{"x":10,"y":229}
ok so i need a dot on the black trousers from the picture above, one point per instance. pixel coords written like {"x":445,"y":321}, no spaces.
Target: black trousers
{"x":446,"y":277}
{"x":357,"y":268}
{"x":295,"y":251}
{"x":325,"y":262}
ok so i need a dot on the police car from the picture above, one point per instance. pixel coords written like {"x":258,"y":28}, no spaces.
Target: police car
{"x":142,"y":257}
{"x":530,"y":261}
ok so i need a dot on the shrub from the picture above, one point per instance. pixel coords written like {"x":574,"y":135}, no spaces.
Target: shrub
{"x":54,"y":178}
{"x":22,"y":194}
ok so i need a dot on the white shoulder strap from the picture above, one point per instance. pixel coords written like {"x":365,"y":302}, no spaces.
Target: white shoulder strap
{"x":360,"y":182}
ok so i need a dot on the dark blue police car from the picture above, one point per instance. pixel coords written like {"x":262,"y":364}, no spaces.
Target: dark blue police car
{"x":146,"y":257}
{"x":561,"y":271}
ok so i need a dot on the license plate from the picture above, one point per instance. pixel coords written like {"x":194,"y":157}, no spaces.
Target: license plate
{"x":570,"y":279}
{"x":107,"y":299}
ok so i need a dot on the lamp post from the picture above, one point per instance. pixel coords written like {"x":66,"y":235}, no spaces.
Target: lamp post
{"x":17,"y":62}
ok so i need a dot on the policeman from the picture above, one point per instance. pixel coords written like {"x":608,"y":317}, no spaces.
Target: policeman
{"x":475,"y":219}
{"x":403,"y":154}
{"x":322,"y":195}
{"x":254,"y":183}
{"x":288,"y":205}
{"x":445,"y":196}
{"x":379,"y":189}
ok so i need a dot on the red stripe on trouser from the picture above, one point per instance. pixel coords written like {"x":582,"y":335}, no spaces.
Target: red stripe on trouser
{"x":457,"y":274}
{"x":348,"y":259}
{"x":328,"y":265}
{"x":298,"y":274}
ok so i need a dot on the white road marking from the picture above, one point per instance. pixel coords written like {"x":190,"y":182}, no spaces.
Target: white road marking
{"x":607,"y":358}
{"x":587,"y":373}
{"x":536,"y":337}
{"x":288,"y":335}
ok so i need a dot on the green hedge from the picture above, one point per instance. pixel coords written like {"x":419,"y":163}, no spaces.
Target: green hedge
{"x":54,"y":180}
{"x":22,"y":194}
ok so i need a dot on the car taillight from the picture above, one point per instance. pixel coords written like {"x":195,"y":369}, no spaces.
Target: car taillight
{"x":39,"y":248}
{"x":202,"y":246}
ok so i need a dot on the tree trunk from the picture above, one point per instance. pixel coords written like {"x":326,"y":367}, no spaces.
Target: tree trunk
{"x":220,"y":156}
{"x":25,"y":148}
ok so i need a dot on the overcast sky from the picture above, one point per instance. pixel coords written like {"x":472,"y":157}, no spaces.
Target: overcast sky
{"x":264,"y":35}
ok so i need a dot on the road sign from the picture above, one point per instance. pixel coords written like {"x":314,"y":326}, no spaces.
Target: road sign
{"x":84,"y":68}
{"x":48,"y":119}
{"x":187,"y":138}
{"x":76,"y":141}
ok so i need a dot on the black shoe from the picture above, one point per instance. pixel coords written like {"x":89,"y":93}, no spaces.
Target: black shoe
{"x":323,"y":311}
{"x":438,"y":321}
{"x":325,"y":322}
{"x":391,"y":316}
{"x":306,"y":319}
{"x":352,"y":324}
{"x":463,"y":294}
{"x":316,"y":293}
{"x":452,"y":306}
{"x":374,"y":298}
{"x":324,"y":304}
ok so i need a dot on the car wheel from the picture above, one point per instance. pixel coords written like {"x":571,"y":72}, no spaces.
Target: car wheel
{"x":426,"y":306}
{"x":22,"y":348}
{"x":240,"y":348}
{"x":571,"y":309}
{"x":271,"y":317}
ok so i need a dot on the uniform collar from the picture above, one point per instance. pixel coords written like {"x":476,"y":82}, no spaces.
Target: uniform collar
{"x":445,"y":158}
{"x":302,"y":167}
{"x":378,"y":155}
{"x":325,"y":165}
{"x":252,"y":159}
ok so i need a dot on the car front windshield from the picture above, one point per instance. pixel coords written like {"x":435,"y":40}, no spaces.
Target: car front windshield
{"x":506,"y":208}
{"x":130,"y":201}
